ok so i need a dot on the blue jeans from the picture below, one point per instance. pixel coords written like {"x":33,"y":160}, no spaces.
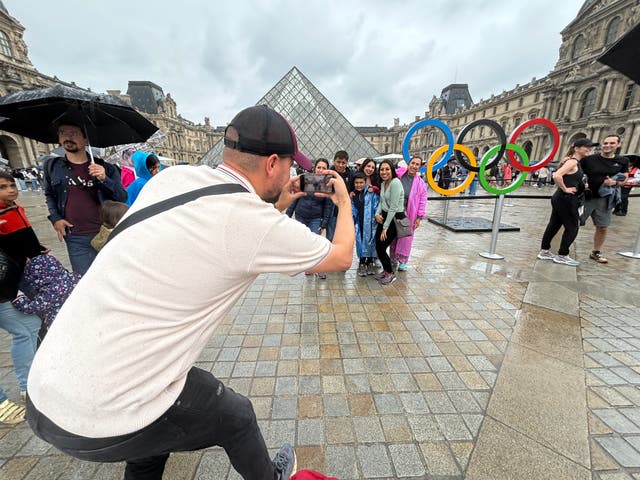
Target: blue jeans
{"x":24,"y":341}
{"x":473,"y":188}
{"x":81,"y":253}
{"x":312,"y":223}
{"x":331,"y":228}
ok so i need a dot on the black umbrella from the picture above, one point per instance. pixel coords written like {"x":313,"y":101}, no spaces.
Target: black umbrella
{"x":624,"y":55}
{"x":107,"y":120}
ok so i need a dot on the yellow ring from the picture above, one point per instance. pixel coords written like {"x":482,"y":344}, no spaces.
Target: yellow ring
{"x":463,"y":185}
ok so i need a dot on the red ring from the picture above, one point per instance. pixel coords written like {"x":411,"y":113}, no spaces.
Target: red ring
{"x":524,"y":125}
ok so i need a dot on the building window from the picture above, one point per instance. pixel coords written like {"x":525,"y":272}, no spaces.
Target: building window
{"x":481,"y":132}
{"x":484,"y":113}
{"x":588,"y":102}
{"x":578,"y":46}
{"x":558,"y":110}
{"x":537,"y":98}
{"x":628,"y":97}
{"x":495,"y":109}
{"x":5,"y":48}
{"x":520,"y":101}
{"x":506,"y":107}
{"x":612,"y":31}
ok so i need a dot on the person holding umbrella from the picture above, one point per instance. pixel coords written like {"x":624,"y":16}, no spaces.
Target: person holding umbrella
{"x":75,"y":187}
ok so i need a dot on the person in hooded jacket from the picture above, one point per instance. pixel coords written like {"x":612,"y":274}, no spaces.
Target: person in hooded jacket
{"x":146,"y":165}
{"x":47,"y":285}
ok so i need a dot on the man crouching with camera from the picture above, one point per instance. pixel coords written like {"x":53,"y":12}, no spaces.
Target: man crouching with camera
{"x":115,"y":379}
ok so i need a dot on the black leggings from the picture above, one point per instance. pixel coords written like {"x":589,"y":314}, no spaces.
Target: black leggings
{"x":381,"y":246}
{"x":564,"y":213}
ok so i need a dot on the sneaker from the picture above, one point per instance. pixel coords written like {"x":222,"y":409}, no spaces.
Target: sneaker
{"x":598,"y":257}
{"x":566,"y":260}
{"x":394,"y":264}
{"x":362,"y":270}
{"x":380,"y":276}
{"x":285,"y":462}
{"x":322,"y":276}
{"x":402,"y":267}
{"x":388,"y":279}
{"x":371,"y":269}
{"x":11,"y":413}
{"x":546,"y":255}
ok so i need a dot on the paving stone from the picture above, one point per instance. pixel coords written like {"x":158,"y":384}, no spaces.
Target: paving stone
{"x":407,"y":460}
{"x":616,"y":420}
{"x":374,"y":461}
{"x":336,"y":406}
{"x":387,"y":403}
{"x":342,"y":462}
{"x":621,"y":450}
{"x":368,"y":429}
{"x":311,"y":432}
{"x":284,"y":407}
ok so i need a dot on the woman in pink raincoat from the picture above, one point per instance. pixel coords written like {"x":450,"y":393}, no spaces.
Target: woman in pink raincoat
{"x":415,"y":204}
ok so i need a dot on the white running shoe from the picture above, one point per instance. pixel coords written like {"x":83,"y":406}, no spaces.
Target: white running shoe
{"x":546,"y":256}
{"x":566,"y":260}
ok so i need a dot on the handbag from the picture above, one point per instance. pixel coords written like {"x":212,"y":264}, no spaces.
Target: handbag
{"x":10,"y":274}
{"x":403,"y":226}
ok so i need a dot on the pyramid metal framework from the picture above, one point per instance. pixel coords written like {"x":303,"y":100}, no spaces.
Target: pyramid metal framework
{"x":320,"y":127}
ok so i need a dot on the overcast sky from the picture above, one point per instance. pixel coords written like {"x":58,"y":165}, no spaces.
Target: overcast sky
{"x":374,"y":59}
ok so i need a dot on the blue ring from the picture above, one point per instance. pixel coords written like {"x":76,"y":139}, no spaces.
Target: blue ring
{"x":425,"y":123}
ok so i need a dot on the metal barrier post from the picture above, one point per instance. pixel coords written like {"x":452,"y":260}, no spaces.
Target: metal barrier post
{"x":636,"y":249}
{"x":445,"y":213}
{"x":497,"y":213}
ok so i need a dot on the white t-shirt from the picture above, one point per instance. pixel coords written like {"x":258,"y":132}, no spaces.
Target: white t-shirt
{"x":117,"y":355}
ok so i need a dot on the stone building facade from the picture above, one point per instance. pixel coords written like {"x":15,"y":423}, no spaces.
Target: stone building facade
{"x":583,"y":97}
{"x":185,"y":141}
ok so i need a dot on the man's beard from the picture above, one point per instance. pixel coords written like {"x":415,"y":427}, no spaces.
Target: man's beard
{"x":70,"y":147}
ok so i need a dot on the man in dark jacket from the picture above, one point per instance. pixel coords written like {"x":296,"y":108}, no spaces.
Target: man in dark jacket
{"x":75,"y":188}
{"x":340,"y":165}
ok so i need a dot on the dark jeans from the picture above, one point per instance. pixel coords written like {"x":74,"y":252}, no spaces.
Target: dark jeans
{"x":205,"y":414}
{"x":381,"y":246}
{"x":624,"y":203}
{"x":564,"y":213}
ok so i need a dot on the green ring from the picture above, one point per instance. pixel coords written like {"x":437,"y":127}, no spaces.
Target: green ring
{"x":485,"y":159}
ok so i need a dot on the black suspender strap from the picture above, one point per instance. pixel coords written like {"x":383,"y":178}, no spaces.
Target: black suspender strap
{"x":172,"y":202}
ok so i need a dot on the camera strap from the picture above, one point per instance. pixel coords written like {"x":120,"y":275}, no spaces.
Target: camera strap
{"x":172,"y":202}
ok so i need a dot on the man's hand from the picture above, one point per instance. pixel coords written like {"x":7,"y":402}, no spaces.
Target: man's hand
{"x":60,"y":227}
{"x":610,"y":181}
{"x":290,"y":192}
{"x":340,"y":196}
{"x":97,"y":171}
{"x":416,"y":223}
{"x":383,"y":234}
{"x":379,"y":218}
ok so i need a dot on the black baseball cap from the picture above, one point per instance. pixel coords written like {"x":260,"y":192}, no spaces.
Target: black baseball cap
{"x":585,"y":142}
{"x":263,"y":131}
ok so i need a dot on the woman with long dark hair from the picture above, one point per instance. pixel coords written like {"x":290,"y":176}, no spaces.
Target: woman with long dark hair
{"x":391,"y":206}
{"x":565,"y":203}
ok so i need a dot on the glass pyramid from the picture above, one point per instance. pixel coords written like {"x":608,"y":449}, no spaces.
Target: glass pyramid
{"x":321,"y":129}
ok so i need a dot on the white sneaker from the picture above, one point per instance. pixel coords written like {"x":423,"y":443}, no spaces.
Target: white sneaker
{"x":546,"y":256}
{"x":566,"y":260}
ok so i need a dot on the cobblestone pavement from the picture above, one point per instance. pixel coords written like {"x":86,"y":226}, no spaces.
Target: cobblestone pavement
{"x":463,"y":368}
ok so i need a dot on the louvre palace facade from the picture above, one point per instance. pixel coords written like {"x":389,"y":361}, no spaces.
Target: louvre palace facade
{"x":583,"y":97}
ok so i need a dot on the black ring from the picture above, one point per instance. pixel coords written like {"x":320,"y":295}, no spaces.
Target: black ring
{"x":502,"y":137}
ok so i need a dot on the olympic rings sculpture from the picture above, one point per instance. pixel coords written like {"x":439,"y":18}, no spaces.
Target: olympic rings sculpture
{"x":490,"y":158}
